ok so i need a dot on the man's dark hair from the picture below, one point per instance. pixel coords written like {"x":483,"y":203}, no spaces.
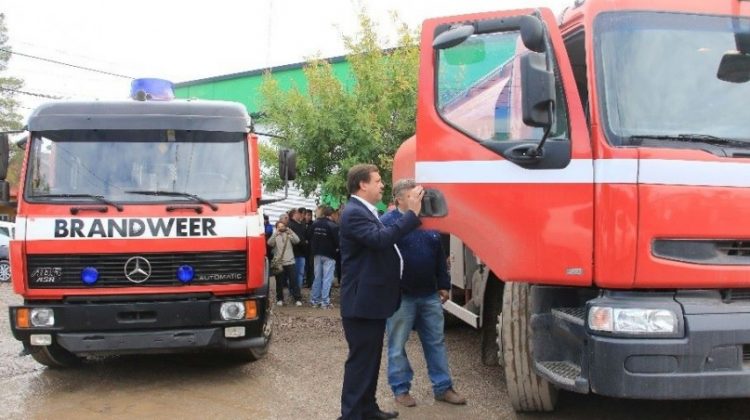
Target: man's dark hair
{"x":291,"y":212}
{"x":359,"y":173}
{"x":265,"y":217}
{"x":302,"y":210}
{"x":309,"y":211}
{"x":326,"y":211}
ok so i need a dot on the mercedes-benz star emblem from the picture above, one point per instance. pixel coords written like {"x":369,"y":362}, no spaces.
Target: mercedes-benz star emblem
{"x":137,"y":269}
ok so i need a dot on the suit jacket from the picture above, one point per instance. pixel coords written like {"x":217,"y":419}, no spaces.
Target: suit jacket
{"x":370,"y":266}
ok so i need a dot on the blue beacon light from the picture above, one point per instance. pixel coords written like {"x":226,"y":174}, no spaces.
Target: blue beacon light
{"x":89,"y":275}
{"x":185,"y":273}
{"x":151,"y":89}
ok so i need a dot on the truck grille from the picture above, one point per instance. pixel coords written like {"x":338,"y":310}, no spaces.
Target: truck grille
{"x":64,"y":271}
{"x":734,"y":248}
{"x":703,"y":251}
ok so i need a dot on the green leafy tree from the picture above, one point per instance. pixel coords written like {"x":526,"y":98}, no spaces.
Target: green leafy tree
{"x":9,"y":117}
{"x":334,"y":125}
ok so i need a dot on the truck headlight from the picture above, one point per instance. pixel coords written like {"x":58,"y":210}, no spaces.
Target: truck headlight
{"x":232,"y":310}
{"x":42,"y":317}
{"x":632,"y":320}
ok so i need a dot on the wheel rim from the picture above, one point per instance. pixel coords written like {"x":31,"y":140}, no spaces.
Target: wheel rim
{"x":4,"y":271}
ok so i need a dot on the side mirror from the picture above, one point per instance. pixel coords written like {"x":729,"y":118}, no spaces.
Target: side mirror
{"x":433,"y":204}
{"x":734,"y":68}
{"x":452,"y":37}
{"x":4,"y":192}
{"x":287,"y":164}
{"x":4,"y":155}
{"x":532,"y":33}
{"x":538,"y":86}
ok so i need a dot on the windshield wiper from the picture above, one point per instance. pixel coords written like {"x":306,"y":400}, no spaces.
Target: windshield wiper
{"x":98,"y":198}
{"x":693,"y":138}
{"x":201,"y":200}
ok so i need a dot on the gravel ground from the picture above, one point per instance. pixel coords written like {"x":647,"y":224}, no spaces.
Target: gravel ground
{"x":299,"y":379}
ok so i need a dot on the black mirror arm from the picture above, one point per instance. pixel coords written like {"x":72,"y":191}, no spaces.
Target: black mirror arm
{"x":264,"y":201}
{"x":539,"y":149}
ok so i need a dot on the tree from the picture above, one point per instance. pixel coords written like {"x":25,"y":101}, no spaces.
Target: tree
{"x":9,"y":118}
{"x":336,"y":125}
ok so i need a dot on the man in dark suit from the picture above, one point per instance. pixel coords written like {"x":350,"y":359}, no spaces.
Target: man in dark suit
{"x":371,"y":266}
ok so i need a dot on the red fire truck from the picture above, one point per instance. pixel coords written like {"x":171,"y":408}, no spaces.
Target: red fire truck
{"x":594,"y":173}
{"x":139,"y":230}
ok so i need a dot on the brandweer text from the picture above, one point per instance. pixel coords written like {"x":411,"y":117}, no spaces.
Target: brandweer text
{"x":132,"y":228}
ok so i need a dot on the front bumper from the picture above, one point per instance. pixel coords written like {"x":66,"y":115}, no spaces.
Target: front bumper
{"x":710,"y":357}
{"x":147,"y":326}
{"x":706,"y":363}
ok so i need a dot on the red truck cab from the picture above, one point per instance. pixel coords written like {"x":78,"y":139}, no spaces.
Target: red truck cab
{"x":139,"y":230}
{"x":597,"y":167}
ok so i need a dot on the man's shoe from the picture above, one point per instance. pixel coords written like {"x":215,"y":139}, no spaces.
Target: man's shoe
{"x":406,"y":400}
{"x":451,"y":397}
{"x":383,"y":415}
{"x":298,"y":303}
{"x":279,"y":303}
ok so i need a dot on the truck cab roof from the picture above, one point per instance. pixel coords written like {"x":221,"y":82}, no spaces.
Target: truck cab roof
{"x":140,"y":115}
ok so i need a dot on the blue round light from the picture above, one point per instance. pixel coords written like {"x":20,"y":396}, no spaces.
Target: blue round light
{"x":89,"y":275}
{"x":185,"y":273}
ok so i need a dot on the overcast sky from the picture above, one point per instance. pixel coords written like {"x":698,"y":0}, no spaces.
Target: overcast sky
{"x":188,"y":40}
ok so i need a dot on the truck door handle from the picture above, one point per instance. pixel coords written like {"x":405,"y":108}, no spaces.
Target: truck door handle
{"x":523,"y":153}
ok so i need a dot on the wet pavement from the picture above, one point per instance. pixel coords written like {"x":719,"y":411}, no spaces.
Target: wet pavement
{"x":300,"y":378}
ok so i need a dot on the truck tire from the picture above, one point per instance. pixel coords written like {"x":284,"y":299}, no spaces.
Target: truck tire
{"x":527,"y":391}
{"x":254,"y":354}
{"x":493,"y":297}
{"x":53,"y":356}
{"x":4,"y":271}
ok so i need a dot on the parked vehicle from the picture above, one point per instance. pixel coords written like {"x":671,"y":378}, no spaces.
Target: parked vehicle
{"x":138,"y":230}
{"x":594,"y":176}
{"x":4,"y":264}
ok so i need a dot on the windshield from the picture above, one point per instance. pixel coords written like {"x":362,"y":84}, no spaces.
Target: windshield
{"x":657,"y":76}
{"x":67,"y":165}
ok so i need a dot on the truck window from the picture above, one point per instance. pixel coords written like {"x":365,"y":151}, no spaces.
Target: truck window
{"x":657,"y":76}
{"x":478,"y":89}
{"x":575,"y":45}
{"x":110,"y":163}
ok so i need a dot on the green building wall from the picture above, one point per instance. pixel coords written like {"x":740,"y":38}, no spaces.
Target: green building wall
{"x":245,"y":87}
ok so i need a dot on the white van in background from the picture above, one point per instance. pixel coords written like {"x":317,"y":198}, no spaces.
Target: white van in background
{"x":7,"y":230}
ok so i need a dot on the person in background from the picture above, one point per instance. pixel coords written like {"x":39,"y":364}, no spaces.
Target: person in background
{"x":424,"y":288}
{"x":335,"y":217}
{"x":371,"y":268}
{"x":282,"y":241}
{"x":324,"y":245}
{"x":296,"y":223}
{"x":309,"y":266}
{"x":268,"y":227}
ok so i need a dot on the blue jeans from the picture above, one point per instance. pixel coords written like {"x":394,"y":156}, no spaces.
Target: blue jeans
{"x":424,"y":314}
{"x":299,"y":263}
{"x":321,"y":288}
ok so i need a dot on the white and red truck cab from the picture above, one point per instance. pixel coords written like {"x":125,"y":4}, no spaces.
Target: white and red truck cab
{"x":596,"y":170}
{"x":139,"y":230}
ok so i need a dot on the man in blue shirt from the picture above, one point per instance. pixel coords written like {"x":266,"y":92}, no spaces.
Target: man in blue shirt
{"x":424,"y":287}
